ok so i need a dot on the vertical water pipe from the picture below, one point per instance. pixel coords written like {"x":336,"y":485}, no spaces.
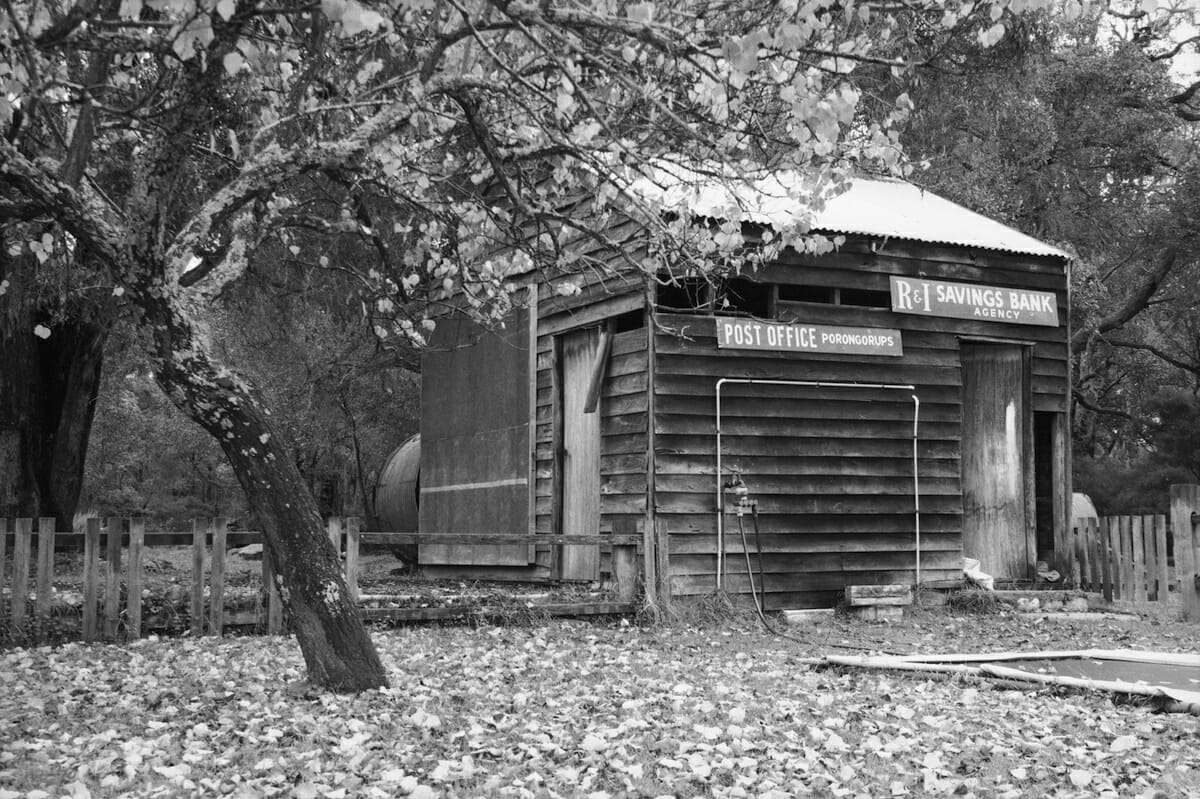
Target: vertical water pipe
{"x":720,"y":575}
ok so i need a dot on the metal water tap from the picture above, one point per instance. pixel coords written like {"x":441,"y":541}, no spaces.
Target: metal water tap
{"x":741,"y":492}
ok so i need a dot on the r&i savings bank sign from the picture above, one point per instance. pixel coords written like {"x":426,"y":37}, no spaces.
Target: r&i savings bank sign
{"x":966,"y":301}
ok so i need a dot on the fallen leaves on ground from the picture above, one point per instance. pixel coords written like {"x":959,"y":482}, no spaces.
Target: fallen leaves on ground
{"x":565,"y":709}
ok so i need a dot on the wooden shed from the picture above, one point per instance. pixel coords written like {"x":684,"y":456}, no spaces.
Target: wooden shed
{"x":891,"y":406}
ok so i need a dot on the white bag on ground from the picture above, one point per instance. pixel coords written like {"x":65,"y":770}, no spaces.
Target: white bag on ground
{"x":975,"y":574}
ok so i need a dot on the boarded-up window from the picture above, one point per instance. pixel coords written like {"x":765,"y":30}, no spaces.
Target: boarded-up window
{"x":475,"y":440}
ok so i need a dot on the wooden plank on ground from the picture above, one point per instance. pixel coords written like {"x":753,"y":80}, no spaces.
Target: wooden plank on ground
{"x":22,"y":544}
{"x":1138,"y":548}
{"x":133,"y":600}
{"x":91,"y":578}
{"x":216,"y":598}
{"x":867,"y":595}
{"x":490,"y":611}
{"x":199,"y":530}
{"x":45,"y":573}
{"x":112,"y":586}
{"x":1163,"y":573}
{"x":496,"y":538}
{"x":1185,"y":504}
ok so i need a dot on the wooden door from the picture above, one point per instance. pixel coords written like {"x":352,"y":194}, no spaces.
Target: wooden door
{"x":580,"y":458}
{"x":995,"y":446}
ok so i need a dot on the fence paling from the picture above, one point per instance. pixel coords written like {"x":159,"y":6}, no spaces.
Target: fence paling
{"x":1164,"y":566}
{"x":91,"y":579}
{"x":1104,"y":542}
{"x":133,"y":602}
{"x":20,"y":572}
{"x":197,"y":596}
{"x":1126,"y":557}
{"x":112,"y":588}
{"x":1185,"y":504}
{"x":1138,"y":561}
{"x":216,"y":596}
{"x":45,"y":572}
{"x":102,"y":616}
{"x":1095,"y":573}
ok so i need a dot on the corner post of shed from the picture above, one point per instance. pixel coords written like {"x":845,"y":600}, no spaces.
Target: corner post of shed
{"x":1185,"y":513}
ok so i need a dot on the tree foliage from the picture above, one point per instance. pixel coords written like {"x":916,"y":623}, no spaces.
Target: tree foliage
{"x":425,"y":150}
{"x":1079,"y":131}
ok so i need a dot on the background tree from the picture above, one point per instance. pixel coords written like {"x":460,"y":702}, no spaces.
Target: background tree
{"x":1074,"y":130}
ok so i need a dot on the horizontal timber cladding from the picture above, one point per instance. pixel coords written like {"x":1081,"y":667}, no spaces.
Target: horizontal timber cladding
{"x":831,"y":469}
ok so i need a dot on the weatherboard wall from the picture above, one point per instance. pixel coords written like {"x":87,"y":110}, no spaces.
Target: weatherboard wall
{"x":831,"y":469}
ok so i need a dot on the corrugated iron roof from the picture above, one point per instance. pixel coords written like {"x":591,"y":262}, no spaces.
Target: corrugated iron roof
{"x":870,"y":207}
{"x":897,"y":209}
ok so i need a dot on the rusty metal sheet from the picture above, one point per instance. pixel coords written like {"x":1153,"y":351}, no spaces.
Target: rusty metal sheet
{"x":475,"y":450}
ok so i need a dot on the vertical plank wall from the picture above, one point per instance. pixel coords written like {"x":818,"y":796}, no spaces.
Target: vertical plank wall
{"x":832,"y":468}
{"x":623,"y":418}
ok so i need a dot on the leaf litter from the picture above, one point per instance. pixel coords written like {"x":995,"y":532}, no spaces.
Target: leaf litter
{"x":568,"y":709}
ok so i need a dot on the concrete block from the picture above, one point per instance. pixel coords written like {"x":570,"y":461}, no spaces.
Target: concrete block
{"x":813,"y":616}
{"x":857,"y":595}
{"x":878,"y":612}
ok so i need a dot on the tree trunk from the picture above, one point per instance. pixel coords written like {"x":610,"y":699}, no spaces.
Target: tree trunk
{"x":47,"y":402}
{"x":338,"y":652}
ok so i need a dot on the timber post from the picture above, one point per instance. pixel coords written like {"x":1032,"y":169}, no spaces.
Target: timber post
{"x":1185,"y":507}
{"x":91,"y":578}
{"x":624,"y":563}
{"x":662,"y":565}
{"x":133,"y":597}
{"x":20,"y":574}
{"x":199,"y":530}
{"x":649,"y":568}
{"x":216,"y":596}
{"x":271,"y":600}
{"x":45,"y":574}
{"x":112,"y":586}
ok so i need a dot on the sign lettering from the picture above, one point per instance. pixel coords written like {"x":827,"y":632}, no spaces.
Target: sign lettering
{"x":749,"y":334}
{"x":970,"y":301}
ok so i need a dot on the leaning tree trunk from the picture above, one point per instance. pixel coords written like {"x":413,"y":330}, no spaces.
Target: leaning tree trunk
{"x":338,"y":652}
